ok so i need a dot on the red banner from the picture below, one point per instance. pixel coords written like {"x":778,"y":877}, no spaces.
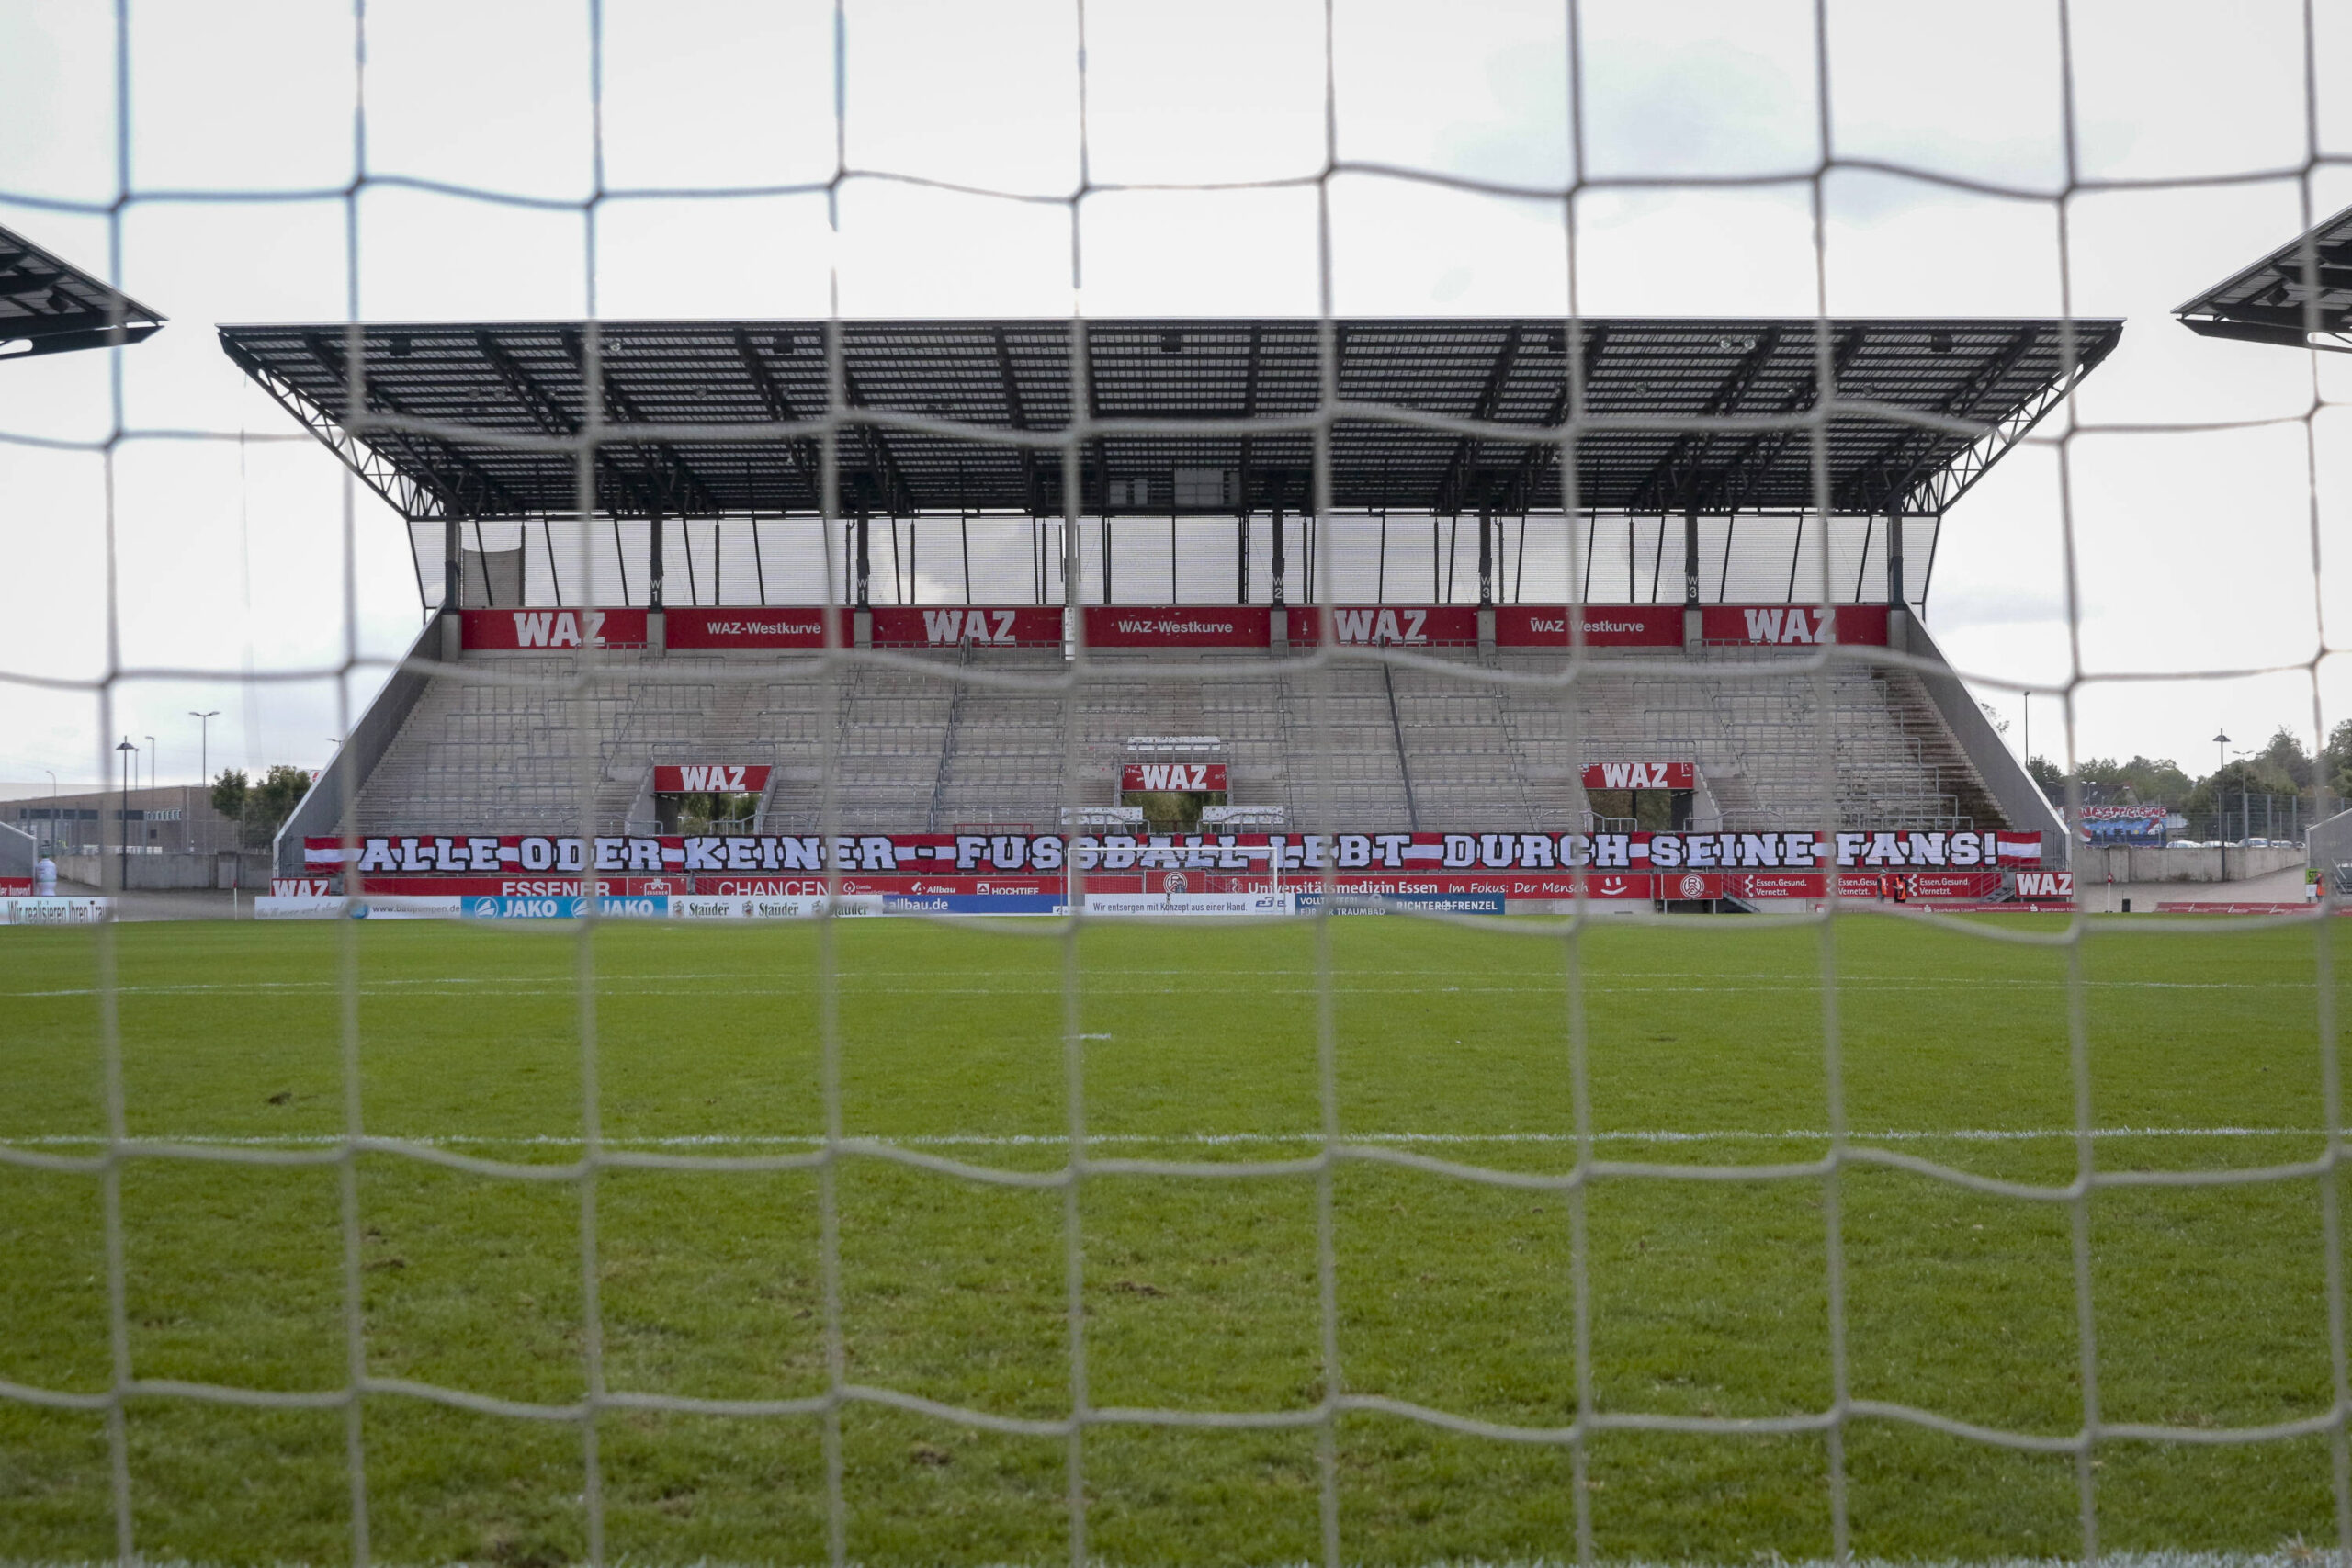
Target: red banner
{"x":710,"y":778}
{"x":1158,"y":776}
{"x":554,"y":630}
{"x":1045,"y":853}
{"x":1793,"y":624}
{"x":1214,"y":626}
{"x":1641,"y":775}
{"x":1613,"y":626}
{"x":798,"y":626}
{"x":1394,"y":625}
{"x":1967,"y":887}
{"x":1026,"y":626}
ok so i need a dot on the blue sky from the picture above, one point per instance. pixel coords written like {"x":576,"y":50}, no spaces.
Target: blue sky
{"x":237,"y":547}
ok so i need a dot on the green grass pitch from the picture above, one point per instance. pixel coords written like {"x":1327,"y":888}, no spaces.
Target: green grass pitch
{"x":1707,"y":1299}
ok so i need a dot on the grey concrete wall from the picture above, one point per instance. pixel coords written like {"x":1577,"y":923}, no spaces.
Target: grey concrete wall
{"x":163,"y":873}
{"x":2125,"y":863}
{"x":19,"y":851}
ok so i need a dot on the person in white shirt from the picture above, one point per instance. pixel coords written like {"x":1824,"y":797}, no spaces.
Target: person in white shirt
{"x":45,"y":878}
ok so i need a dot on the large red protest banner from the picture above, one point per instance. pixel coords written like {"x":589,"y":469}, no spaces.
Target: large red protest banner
{"x":1048,"y":853}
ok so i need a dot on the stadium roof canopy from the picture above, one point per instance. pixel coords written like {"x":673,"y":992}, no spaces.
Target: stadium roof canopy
{"x":47,"y":306}
{"x":2299,"y":295}
{"x":1444,"y":415}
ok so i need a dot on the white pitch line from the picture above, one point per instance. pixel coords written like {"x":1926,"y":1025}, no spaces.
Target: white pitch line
{"x":766,"y":985}
{"x":1055,"y":1140}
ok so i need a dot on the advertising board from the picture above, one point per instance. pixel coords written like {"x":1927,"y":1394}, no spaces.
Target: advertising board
{"x":1212,"y":625}
{"x":1793,"y":624}
{"x":55,"y":911}
{"x":1151,"y":776}
{"x":1608,"y":625}
{"x":551,"y":631}
{"x":1641,"y":775}
{"x":1392,"y":626}
{"x":1002,"y":626}
{"x":710,"y":778}
{"x":745,"y":627}
{"x":655,"y":906}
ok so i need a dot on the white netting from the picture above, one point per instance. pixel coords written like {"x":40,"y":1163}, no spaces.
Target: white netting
{"x":761,"y":567}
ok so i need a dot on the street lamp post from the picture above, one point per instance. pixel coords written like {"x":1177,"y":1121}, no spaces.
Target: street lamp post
{"x":203,"y":778}
{"x":2220,"y":761}
{"x":204,"y":745}
{"x":151,"y":762}
{"x":123,"y":817}
{"x":52,"y":809}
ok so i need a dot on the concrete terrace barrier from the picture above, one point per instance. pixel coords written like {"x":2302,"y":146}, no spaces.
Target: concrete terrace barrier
{"x":2135,"y":863}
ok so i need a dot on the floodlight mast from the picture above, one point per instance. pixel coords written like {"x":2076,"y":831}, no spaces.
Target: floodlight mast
{"x":122,"y":818}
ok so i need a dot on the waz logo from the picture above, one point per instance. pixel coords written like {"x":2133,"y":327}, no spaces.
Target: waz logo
{"x":558,"y":628}
{"x":1171,"y":776}
{"x":1362,"y":627}
{"x":719,"y":777}
{"x":1634,"y":775}
{"x":952,"y":627}
{"x":2045,"y":885}
{"x":1795,"y":624}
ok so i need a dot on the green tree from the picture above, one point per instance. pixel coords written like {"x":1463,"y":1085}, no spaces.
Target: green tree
{"x":2157,"y":782}
{"x":229,"y":792}
{"x":2284,"y":758}
{"x":2336,"y":763}
{"x":261,"y":807}
{"x":281,"y":791}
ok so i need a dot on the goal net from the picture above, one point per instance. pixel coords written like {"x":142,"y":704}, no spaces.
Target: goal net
{"x":874,"y":588}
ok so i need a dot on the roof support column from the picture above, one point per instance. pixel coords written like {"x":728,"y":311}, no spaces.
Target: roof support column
{"x":1242,"y":556}
{"x":1485,"y":560}
{"x":653,"y":599}
{"x":453,"y":637}
{"x":1280,"y":560}
{"x":1898,"y":607}
{"x":862,"y":587}
{"x":1690,"y":557}
{"x":1692,"y":621}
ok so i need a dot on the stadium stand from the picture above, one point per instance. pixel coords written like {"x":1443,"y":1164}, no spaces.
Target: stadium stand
{"x":912,"y":748}
{"x":1475,"y":732}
